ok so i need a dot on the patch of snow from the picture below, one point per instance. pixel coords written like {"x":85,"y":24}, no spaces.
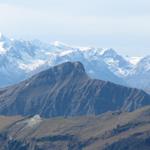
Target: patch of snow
{"x":64,"y":53}
{"x":111,"y":61}
{"x":85,"y":48}
{"x":59,"y":44}
{"x":31,"y":67}
{"x":12,"y":39}
{"x":27,"y":84}
{"x":121,"y":72}
{"x":2,"y":49}
{"x":35,"y":120}
{"x":134,"y":60}
{"x":31,"y":122}
{"x":103,"y":51}
{"x":10,"y":137}
{"x":100,"y":51}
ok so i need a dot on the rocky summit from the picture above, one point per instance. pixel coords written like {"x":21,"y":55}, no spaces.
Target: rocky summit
{"x":66,"y":90}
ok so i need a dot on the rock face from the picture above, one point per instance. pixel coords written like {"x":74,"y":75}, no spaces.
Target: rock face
{"x":66,"y":90}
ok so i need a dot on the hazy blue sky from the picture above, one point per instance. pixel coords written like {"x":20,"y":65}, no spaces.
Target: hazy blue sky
{"x":120,"y":24}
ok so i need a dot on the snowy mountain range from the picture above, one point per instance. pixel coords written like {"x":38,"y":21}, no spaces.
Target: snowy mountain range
{"x":21,"y":59}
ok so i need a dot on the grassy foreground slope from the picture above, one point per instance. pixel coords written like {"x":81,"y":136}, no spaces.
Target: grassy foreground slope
{"x":109,"y":131}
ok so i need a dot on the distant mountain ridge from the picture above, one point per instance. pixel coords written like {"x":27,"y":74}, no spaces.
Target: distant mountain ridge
{"x":66,"y":90}
{"x":30,"y":57}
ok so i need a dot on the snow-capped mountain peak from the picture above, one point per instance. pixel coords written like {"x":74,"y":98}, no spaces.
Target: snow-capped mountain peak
{"x":144,"y":64}
{"x":109,"y":53}
{"x":30,"y":57}
{"x":134,"y":60}
{"x":60,"y":45}
{"x":3,"y":37}
{"x":2,"y":49}
{"x":3,"y":42}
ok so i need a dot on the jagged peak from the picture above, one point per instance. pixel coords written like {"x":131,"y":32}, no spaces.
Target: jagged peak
{"x":2,"y":37}
{"x":59,"y":44}
{"x":110,"y":51}
{"x":64,"y":70}
{"x":70,"y":67}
